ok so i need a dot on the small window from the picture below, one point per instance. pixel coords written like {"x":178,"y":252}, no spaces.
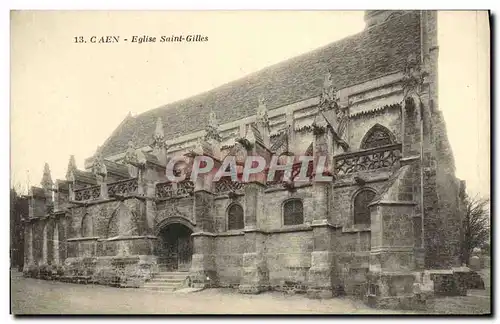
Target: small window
{"x":235,"y":219}
{"x":361,"y":208}
{"x":293,"y":212}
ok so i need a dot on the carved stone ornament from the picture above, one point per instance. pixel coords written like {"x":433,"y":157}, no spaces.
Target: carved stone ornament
{"x":246,"y":142}
{"x":212,"y":129}
{"x":413,"y":77}
{"x":318,"y":129}
{"x":239,"y":151}
{"x":328,"y":99}
{"x":130,"y":154}
{"x":46,"y":178}
{"x":158,"y":136}
{"x":71,"y":168}
{"x":342,"y":121}
{"x":262,"y":115}
{"x":98,"y":167}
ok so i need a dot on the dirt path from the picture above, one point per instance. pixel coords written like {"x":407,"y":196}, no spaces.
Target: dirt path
{"x":31,"y":296}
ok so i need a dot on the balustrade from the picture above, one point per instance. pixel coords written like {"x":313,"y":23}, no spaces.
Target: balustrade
{"x":381,"y":157}
{"x":171,"y":190}
{"x":88,"y":193}
{"x":226,"y":185}
{"x":123,"y":187}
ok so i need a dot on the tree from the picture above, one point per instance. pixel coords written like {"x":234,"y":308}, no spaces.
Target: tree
{"x":476,"y":225}
{"x":18,"y":209}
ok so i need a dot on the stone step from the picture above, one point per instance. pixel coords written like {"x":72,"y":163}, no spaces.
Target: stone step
{"x":167,"y":281}
{"x":170,"y":276}
{"x":159,"y":288}
{"x":173,"y":280}
{"x":160,"y":284}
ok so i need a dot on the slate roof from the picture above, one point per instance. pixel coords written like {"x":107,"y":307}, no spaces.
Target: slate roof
{"x":372,"y":53}
{"x":84,"y":177}
{"x":117,"y":169}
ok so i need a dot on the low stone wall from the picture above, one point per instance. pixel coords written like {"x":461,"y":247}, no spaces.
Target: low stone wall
{"x":119,"y":271}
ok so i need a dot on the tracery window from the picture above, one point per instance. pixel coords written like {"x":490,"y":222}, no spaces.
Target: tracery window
{"x":235,"y":217}
{"x":377,"y":136}
{"x":293,"y":212}
{"x":361,"y":208}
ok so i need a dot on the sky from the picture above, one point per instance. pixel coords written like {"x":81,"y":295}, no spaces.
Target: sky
{"x":67,"y":97}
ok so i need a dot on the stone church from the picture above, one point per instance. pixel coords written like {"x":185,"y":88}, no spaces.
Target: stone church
{"x":388,"y":219}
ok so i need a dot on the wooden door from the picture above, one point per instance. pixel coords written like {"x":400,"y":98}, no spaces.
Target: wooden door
{"x":169,"y":256}
{"x":184,"y":253}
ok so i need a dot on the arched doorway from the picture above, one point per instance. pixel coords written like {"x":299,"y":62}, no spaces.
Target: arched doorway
{"x":176,"y":247}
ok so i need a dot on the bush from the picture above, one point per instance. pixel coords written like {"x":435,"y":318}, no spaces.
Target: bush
{"x":45,"y":271}
{"x":32,"y":271}
{"x":60,"y":270}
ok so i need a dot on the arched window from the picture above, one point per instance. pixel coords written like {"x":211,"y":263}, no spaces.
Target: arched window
{"x":293,"y":212}
{"x":377,"y":136}
{"x":235,"y":219}
{"x":361,"y":208}
{"x":87,"y":230}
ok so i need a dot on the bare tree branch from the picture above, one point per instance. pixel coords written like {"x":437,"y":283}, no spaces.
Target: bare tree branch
{"x":476,"y":225}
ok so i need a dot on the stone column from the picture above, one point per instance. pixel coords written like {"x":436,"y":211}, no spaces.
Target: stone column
{"x":56,"y":244}
{"x":203,"y":270}
{"x":104,"y":190}
{"x":392,"y":238}
{"x":45,"y":244}
{"x":255,"y":277}
{"x":320,"y":276}
{"x":150,"y":207}
{"x":28,"y":252}
{"x":391,"y":278}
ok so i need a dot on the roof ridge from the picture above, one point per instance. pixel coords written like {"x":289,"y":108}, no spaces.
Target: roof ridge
{"x":356,"y":58}
{"x":284,"y":62}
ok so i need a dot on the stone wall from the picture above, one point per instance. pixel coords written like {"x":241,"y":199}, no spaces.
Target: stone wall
{"x":229,"y":257}
{"x":273,"y":206}
{"x":221,"y":205}
{"x":288,"y":256}
{"x":442,"y":206}
{"x":343,"y":197}
{"x":105,"y":217}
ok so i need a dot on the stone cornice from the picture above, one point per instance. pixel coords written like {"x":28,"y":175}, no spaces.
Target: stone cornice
{"x":374,"y":111}
{"x":381,"y":249}
{"x":324,"y":223}
{"x":79,"y":239}
{"x":393,"y":203}
{"x":202,"y":233}
{"x":77,"y":204}
{"x":339,"y":184}
{"x":231,"y":233}
{"x":356,"y":229}
{"x":129,"y":238}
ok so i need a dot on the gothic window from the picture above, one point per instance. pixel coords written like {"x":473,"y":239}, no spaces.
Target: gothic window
{"x":87,"y":229}
{"x":293,"y":212}
{"x":235,"y":219}
{"x":361,"y":208}
{"x":377,"y":136}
